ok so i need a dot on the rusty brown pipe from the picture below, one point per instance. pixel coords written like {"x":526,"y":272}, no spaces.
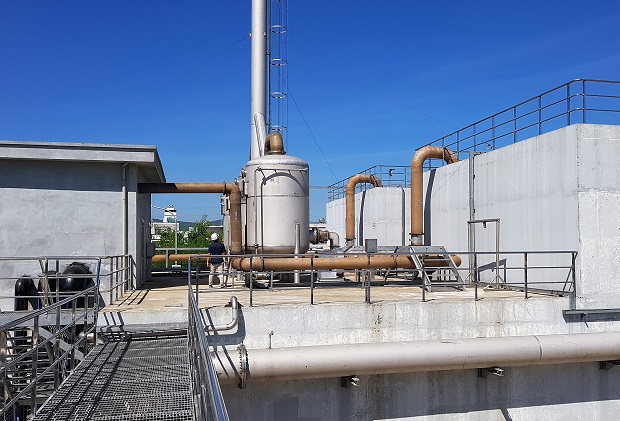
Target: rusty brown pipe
{"x":417,"y":162}
{"x":177,"y":257}
{"x":363,"y":261}
{"x":230,"y":189}
{"x":350,"y":202}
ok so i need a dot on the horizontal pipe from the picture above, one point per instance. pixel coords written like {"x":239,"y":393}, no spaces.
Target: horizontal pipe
{"x":230,"y":189}
{"x":181,"y":257}
{"x":325,"y":361}
{"x":358,"y":261}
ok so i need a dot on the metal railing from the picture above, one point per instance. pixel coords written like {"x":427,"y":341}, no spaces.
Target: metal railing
{"x":208,"y":400}
{"x":40,"y":347}
{"x":167,"y":251}
{"x":579,"y":101}
{"x":542,"y":272}
{"x":118,"y":276}
{"x":390,"y":176}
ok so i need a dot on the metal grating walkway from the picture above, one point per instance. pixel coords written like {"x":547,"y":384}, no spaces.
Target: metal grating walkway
{"x":132,"y":380}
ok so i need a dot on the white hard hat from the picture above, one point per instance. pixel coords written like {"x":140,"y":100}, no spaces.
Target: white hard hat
{"x":214,"y":236}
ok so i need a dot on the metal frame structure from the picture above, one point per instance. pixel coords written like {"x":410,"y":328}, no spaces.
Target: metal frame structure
{"x":390,"y":176}
{"x":579,"y":101}
{"x":39,"y":348}
{"x":430,"y":270}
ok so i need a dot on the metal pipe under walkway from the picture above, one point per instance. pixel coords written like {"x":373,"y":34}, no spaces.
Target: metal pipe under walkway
{"x":127,"y":380}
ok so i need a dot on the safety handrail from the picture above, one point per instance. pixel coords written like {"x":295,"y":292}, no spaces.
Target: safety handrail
{"x":573,"y":102}
{"x":208,"y":400}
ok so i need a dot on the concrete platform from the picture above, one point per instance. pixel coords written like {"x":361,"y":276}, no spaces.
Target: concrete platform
{"x":165,"y":298}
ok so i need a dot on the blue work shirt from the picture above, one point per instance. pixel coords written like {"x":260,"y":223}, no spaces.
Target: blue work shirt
{"x":216,"y":249}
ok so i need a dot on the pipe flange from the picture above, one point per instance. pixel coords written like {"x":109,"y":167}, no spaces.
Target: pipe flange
{"x":244,"y":370}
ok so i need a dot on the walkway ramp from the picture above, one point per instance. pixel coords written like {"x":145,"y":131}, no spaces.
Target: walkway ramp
{"x":127,"y":380}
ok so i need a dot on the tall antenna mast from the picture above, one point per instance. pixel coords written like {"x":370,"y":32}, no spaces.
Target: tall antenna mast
{"x":277,"y":52}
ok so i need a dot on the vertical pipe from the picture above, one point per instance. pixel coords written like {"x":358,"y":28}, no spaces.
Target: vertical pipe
{"x":258,"y":72}
{"x":125,"y":212}
{"x":403,"y":216}
{"x":125,"y":218}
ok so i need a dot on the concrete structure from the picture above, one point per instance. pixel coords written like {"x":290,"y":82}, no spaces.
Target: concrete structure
{"x":282,"y":319}
{"x":63,"y":199}
{"x":557,"y":191}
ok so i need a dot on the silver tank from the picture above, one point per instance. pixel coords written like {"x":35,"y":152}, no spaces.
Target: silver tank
{"x":277,"y":198}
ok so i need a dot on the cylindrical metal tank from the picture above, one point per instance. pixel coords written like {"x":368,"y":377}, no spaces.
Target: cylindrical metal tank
{"x":277,"y":198}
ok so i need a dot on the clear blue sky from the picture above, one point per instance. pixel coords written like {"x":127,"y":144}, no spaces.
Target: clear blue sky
{"x":175,"y":74}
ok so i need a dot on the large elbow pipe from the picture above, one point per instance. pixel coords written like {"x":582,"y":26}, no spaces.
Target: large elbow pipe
{"x":350,"y":202}
{"x":417,"y":163}
{"x":230,"y":189}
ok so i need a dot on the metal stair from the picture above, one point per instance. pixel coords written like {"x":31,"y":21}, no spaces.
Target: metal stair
{"x":436,"y":267}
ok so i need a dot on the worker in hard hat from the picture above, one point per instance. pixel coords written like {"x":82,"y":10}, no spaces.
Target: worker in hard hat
{"x":216,"y":260}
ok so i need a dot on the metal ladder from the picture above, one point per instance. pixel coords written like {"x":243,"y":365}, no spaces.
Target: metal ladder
{"x":438,"y":262}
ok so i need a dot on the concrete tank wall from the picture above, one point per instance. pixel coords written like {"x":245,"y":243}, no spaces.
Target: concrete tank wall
{"x":557,"y":191}
{"x":566,"y":392}
{"x":524,"y":393}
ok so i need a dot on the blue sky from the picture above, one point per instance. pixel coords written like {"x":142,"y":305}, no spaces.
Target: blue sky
{"x":373,"y":81}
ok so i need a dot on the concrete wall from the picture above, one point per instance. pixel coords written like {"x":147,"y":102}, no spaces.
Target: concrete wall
{"x":70,"y":204}
{"x":572,"y":391}
{"x":567,"y":392}
{"x":58,"y":209}
{"x":558,"y":191}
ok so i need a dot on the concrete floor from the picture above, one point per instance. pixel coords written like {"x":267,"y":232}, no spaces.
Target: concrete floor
{"x":169,"y":293}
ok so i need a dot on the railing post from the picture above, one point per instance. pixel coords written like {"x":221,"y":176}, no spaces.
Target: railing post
{"x":73,"y":330}
{"x":539,"y":115}
{"x":311,"y":279}
{"x":35,"y":363}
{"x":514,"y":124}
{"x":251,"y":281}
{"x":476,"y":275}
{"x":583,"y":84}
{"x":568,"y":103}
{"x":423,"y":277}
{"x":525,"y":274}
{"x":57,"y":350}
{"x":574,"y":275}
{"x":367,"y":292}
{"x":493,"y":131}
